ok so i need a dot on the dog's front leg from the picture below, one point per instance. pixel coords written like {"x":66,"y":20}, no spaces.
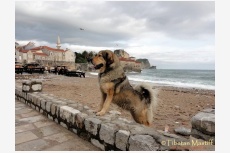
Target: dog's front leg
{"x":103,"y":97}
{"x":109,"y":97}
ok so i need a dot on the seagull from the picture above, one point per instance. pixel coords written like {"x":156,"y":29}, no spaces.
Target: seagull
{"x":81,"y":29}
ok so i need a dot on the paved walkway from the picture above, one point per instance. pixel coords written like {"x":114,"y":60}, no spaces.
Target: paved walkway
{"x":34,"y":132}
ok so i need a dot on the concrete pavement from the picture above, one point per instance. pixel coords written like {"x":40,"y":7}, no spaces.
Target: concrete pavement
{"x":35,"y":132}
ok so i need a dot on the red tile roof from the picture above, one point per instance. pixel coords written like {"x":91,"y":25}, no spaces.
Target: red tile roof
{"x":23,"y":50}
{"x":48,"y":48}
{"x":128,"y":60}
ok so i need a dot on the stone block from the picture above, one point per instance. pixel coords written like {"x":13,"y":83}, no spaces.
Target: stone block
{"x":53,"y":109}
{"x":64,"y":125}
{"x":50,"y":117}
{"x":121,"y":141}
{"x":48,"y":105}
{"x":97,"y":144}
{"x":34,"y":99}
{"x":36,"y":87}
{"x":25,"y":88}
{"x":107,"y":133}
{"x":142,"y":143}
{"x":32,"y":86}
{"x":43,"y":104}
{"x":80,"y":120}
{"x":92,"y":125}
{"x":68,"y":113}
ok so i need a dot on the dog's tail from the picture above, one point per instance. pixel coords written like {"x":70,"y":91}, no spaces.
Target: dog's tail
{"x":149,"y":96}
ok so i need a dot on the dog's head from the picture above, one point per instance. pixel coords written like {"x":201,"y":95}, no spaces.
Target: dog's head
{"x":105,"y":60}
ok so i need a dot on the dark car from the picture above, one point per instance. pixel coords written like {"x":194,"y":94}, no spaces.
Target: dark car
{"x":61,"y":70}
{"x":18,"y":68}
{"x":34,"y":68}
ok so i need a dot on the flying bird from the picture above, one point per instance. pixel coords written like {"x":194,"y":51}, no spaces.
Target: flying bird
{"x":81,"y":29}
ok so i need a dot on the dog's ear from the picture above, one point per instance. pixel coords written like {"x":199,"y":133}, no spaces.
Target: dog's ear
{"x":108,"y":57}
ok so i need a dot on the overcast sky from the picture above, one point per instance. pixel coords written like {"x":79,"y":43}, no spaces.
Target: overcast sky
{"x":171,"y":34}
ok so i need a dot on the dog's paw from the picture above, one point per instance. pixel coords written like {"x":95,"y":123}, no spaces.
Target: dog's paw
{"x":96,"y":111}
{"x":100,"y":113}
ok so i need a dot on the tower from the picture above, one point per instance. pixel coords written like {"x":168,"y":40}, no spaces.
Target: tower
{"x":58,"y":43}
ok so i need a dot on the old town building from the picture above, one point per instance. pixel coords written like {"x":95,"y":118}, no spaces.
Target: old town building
{"x":43,"y":54}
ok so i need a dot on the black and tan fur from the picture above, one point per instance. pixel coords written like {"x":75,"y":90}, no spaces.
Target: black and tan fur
{"x":115,"y":87}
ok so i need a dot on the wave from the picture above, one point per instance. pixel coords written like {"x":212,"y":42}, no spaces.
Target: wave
{"x":175,"y":83}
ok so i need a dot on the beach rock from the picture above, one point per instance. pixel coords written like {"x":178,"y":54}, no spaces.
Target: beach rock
{"x":203,"y":125}
{"x":209,"y":110}
{"x":204,"y":122}
{"x":183,"y":131}
{"x":201,"y":145}
{"x":199,"y":135}
{"x":177,"y":107}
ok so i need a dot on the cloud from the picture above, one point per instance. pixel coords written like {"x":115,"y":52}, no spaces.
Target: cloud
{"x":164,"y":31}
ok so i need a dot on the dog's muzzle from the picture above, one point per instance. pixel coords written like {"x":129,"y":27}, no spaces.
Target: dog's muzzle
{"x":98,"y":66}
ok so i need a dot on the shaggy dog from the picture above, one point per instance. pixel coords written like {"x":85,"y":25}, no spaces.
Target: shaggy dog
{"x":115,"y":87}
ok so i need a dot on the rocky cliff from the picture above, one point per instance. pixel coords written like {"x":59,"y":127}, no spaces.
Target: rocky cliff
{"x":144,"y":63}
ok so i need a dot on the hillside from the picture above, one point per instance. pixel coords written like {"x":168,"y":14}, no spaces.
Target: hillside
{"x":144,"y":63}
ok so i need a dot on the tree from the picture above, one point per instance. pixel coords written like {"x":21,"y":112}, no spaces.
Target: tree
{"x":80,"y":58}
{"x":85,"y":54}
{"x":91,"y":54}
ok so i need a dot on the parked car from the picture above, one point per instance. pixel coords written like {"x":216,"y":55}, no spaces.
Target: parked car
{"x":60,"y":69}
{"x":75,"y":73}
{"x":18,"y":68}
{"x":34,"y":68}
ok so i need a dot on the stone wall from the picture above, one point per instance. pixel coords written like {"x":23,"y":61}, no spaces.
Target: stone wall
{"x":31,"y":76}
{"x":82,"y":66}
{"x":49,"y":63}
{"x":108,"y":132}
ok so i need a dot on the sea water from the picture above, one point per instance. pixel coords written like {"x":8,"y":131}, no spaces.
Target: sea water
{"x":199,"y":79}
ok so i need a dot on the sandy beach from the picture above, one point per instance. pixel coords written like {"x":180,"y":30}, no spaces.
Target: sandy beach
{"x":176,"y":106}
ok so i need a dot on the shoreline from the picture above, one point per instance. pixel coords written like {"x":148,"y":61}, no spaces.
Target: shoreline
{"x":168,"y":87}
